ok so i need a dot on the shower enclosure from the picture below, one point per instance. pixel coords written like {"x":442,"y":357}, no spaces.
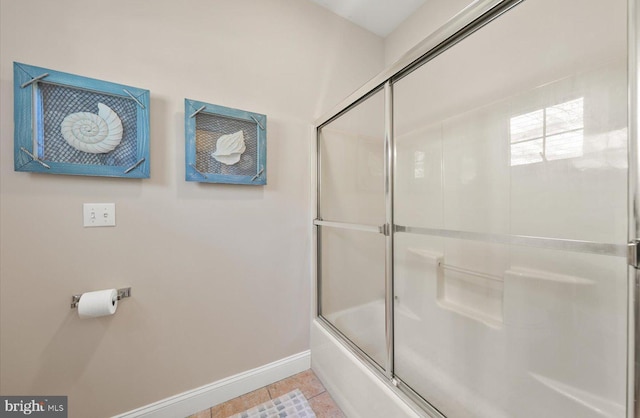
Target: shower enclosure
{"x":476,"y":214}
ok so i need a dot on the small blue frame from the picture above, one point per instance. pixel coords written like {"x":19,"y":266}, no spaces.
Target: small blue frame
{"x":204,"y":124}
{"x":42,"y":97}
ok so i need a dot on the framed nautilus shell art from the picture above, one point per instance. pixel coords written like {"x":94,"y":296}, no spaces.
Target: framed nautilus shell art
{"x":224,"y":145}
{"x":68,"y":124}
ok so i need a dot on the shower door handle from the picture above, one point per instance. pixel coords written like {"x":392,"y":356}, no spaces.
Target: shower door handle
{"x":633,"y":254}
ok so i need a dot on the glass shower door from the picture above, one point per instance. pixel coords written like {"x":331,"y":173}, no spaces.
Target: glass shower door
{"x":510,"y":269}
{"x":352,"y":249}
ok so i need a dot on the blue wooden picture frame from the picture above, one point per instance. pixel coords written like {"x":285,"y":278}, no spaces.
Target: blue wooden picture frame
{"x":224,"y":145}
{"x":68,"y":124}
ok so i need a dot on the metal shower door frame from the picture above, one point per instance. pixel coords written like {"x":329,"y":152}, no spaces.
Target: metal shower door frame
{"x":473,"y":17}
{"x":633,"y":324}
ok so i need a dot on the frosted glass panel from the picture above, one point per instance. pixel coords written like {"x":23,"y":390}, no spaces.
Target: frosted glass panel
{"x":520,"y":129}
{"x":487,"y":330}
{"x":518,"y":139}
{"x":353,"y":286}
{"x":352,"y":165}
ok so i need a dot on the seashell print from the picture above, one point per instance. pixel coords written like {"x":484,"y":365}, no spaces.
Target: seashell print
{"x":229,"y":148}
{"x":93,"y":133}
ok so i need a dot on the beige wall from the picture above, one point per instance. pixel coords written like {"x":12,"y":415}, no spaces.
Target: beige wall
{"x":220,"y":274}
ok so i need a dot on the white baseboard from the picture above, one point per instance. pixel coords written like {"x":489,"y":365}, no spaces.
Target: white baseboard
{"x":195,"y":400}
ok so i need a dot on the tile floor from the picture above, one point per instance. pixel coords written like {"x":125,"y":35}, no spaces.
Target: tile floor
{"x":308,"y":383}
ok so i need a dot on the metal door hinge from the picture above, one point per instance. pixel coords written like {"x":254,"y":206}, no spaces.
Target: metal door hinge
{"x":633,"y":253}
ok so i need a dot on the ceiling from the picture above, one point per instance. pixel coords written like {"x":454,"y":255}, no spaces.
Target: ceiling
{"x":378,"y":16}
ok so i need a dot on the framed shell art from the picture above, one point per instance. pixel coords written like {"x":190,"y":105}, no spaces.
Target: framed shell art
{"x":68,"y":124}
{"x":224,"y":145}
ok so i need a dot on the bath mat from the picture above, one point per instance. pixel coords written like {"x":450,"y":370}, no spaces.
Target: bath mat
{"x":291,"y":405}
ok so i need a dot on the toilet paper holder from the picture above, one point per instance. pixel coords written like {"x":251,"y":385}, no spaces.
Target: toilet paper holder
{"x":125,"y":292}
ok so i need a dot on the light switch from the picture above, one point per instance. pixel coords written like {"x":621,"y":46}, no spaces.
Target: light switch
{"x":99,"y":214}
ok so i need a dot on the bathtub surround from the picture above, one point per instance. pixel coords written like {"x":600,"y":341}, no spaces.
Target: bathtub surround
{"x":486,"y":274}
{"x":221,"y":272}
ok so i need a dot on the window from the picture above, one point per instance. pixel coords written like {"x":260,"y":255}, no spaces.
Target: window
{"x":552,"y":133}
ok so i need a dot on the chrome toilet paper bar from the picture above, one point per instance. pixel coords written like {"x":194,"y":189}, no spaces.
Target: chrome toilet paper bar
{"x":125,"y":292}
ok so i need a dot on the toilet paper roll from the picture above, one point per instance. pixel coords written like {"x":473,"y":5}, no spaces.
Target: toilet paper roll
{"x":99,"y":303}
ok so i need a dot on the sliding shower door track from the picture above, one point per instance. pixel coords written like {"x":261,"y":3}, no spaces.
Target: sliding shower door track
{"x":350,"y":226}
{"x":559,"y":244}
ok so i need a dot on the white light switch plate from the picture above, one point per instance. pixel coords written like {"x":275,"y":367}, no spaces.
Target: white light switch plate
{"x":99,"y":214}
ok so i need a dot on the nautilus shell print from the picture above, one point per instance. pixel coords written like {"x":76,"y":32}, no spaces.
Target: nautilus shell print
{"x":93,"y":133}
{"x":229,"y":148}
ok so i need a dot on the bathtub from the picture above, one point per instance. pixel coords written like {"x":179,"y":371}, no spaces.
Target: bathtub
{"x":362,"y":392}
{"x":355,"y":387}
{"x":537,"y":338}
